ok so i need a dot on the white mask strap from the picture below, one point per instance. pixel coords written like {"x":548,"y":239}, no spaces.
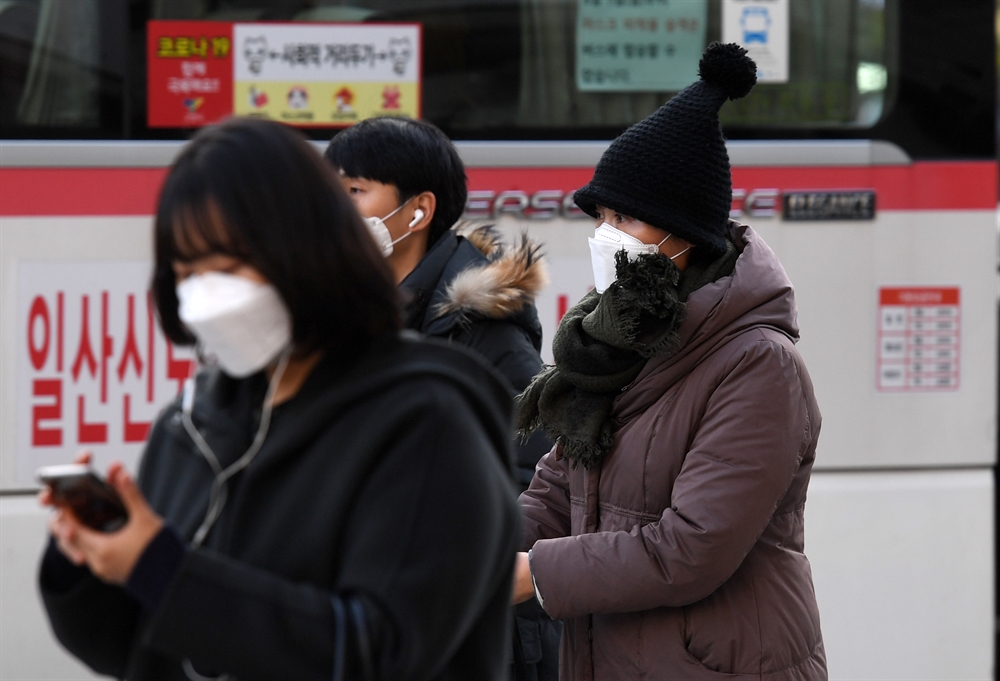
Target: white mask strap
{"x":396,"y":210}
{"x":677,"y":255}
{"x":396,"y":241}
{"x":674,"y":257}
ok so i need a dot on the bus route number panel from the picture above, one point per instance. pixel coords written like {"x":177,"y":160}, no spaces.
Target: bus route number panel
{"x":919,"y":339}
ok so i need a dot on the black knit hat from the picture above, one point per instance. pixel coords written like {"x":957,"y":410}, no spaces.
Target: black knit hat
{"x":671,"y":170}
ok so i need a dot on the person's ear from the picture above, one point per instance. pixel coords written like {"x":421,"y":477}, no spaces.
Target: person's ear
{"x":423,"y":205}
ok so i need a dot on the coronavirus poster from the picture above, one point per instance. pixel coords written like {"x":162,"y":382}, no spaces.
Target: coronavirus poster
{"x":320,"y":75}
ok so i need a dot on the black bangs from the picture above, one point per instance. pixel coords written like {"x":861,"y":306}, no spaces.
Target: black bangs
{"x":372,"y":157}
{"x":200,"y":230}
{"x":190,"y":223}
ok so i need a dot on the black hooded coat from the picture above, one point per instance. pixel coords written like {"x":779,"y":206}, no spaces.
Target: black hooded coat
{"x":382,"y":491}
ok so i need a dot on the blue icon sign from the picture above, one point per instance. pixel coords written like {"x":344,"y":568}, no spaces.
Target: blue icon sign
{"x":756,"y":21}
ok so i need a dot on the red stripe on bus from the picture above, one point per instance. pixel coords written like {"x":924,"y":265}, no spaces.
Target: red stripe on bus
{"x":79,"y":191}
{"x":925,"y":185}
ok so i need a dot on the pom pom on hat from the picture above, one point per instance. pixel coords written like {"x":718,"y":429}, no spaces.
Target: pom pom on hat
{"x":729,"y":67}
{"x":671,"y":170}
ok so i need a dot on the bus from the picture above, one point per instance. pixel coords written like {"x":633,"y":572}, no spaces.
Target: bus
{"x":866,"y":157}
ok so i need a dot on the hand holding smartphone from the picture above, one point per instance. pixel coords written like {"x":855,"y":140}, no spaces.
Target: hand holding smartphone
{"x":93,"y":501}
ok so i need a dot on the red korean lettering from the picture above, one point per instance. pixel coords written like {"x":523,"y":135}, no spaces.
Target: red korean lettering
{"x":39,"y":313}
{"x":106,"y":347}
{"x":46,"y":437}
{"x":87,"y":432}
{"x":131,"y":346}
{"x":85,"y":353}
{"x":134,"y":431}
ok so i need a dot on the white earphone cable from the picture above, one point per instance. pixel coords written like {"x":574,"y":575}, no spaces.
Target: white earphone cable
{"x":218,"y":494}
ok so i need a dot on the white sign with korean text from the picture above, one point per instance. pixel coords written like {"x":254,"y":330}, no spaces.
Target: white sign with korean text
{"x":762,"y":27}
{"x":639,"y":45}
{"x":919,"y":338}
{"x":93,"y":368}
{"x":326,"y":52}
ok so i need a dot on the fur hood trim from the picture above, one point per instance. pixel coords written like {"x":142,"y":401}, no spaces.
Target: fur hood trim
{"x":502,"y":287}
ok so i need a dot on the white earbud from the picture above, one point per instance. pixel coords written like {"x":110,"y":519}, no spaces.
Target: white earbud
{"x":418,"y":215}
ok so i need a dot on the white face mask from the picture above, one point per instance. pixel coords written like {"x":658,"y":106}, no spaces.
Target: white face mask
{"x":381,"y":233}
{"x":244,"y":324}
{"x":606,"y":243}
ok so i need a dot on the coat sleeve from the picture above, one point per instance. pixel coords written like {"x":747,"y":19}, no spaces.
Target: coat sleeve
{"x":509,"y":348}
{"x":506,"y":346}
{"x":743,"y":457}
{"x":94,"y":621}
{"x":428,"y":548}
{"x":545,"y":505}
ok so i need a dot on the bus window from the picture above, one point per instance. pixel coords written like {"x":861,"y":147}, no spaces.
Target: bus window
{"x":18,"y":21}
{"x":63,"y":67}
{"x":841,"y":66}
{"x":61,"y":86}
{"x":514,"y":69}
{"x":837,"y":53}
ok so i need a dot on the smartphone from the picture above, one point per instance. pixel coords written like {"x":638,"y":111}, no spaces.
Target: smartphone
{"x":93,"y":501}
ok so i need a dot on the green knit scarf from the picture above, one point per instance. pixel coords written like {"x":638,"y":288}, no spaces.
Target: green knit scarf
{"x":602,"y":344}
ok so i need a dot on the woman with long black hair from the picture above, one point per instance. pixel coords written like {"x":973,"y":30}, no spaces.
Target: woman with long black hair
{"x":297,"y":513}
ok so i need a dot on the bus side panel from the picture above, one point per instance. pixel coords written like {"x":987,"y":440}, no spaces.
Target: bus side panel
{"x":860,"y":334}
{"x":904,"y":572}
{"x":900,"y":530}
{"x":28,"y":649}
{"x":83,"y":364}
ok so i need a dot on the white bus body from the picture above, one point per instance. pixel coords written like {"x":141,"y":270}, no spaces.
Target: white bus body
{"x":897,"y":305}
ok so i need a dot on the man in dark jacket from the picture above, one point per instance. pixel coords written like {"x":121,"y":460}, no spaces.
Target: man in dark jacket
{"x":458,"y":281}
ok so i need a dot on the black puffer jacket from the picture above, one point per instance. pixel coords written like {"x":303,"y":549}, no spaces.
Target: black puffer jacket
{"x":381,"y":486}
{"x":471,"y":290}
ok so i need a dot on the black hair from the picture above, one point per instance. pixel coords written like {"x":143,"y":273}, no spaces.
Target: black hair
{"x":413,"y":156}
{"x":258,"y":191}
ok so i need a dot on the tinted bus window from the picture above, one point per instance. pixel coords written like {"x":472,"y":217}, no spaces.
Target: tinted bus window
{"x":546,"y":69}
{"x":63,"y":68}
